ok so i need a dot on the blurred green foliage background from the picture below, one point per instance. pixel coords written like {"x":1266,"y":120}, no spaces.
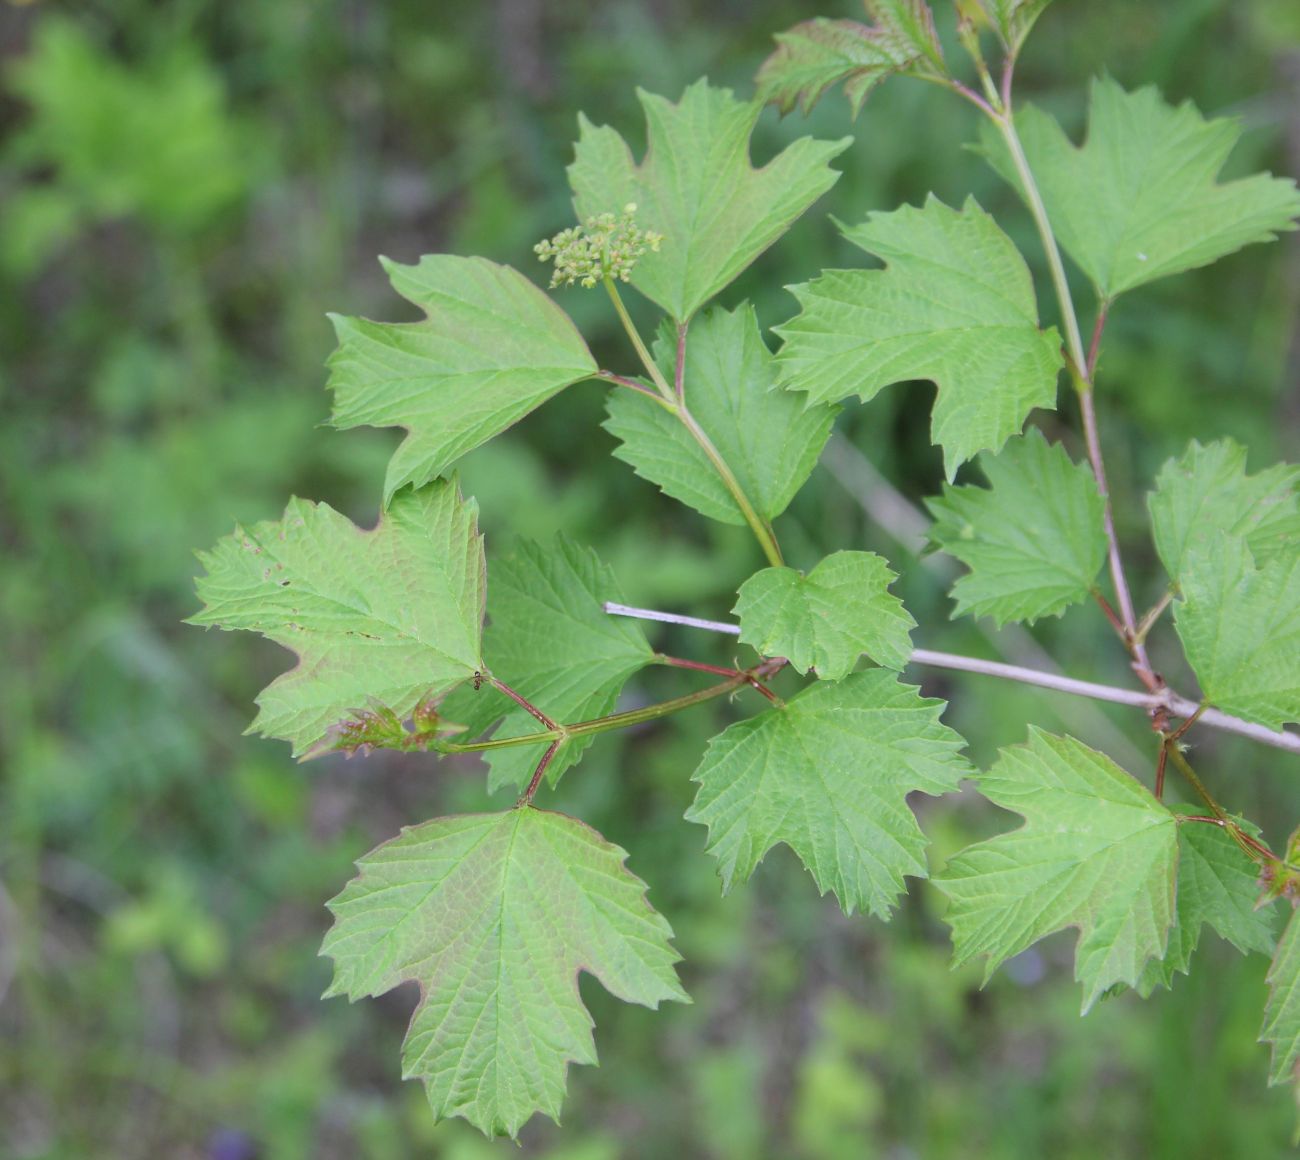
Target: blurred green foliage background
{"x":186,"y":188}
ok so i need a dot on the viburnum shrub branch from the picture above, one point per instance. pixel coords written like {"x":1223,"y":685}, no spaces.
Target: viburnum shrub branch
{"x":1081,"y":366}
{"x":1165,"y":699}
{"x":404,"y":644}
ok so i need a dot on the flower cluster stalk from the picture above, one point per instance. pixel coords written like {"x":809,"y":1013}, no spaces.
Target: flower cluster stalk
{"x":674,"y":399}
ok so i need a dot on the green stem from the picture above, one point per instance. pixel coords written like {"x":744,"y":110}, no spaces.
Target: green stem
{"x":621,"y":720}
{"x":970,"y":41}
{"x":440,"y":746}
{"x":1081,"y":378}
{"x":675,"y":400}
{"x":760,"y":527}
{"x":1184,"y":767}
{"x":633,"y":385}
{"x":1153,"y":614}
{"x":679,"y":367}
{"x":965,"y":92}
{"x":1254,"y":850}
{"x":1073,"y":339}
{"x":677,"y":704}
{"x":656,"y":375}
{"x":1094,"y":347}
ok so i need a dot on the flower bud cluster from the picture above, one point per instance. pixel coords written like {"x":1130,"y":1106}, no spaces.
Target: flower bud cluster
{"x":605,"y":246}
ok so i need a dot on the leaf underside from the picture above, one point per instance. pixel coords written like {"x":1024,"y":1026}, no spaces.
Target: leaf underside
{"x":389,"y":617}
{"x":1217,"y":886}
{"x":1096,"y":852}
{"x":550,"y":639}
{"x":1282,"y":1010}
{"x":955,"y":305}
{"x":816,"y":54}
{"x":492,"y":348}
{"x":1240,"y":628}
{"x":494,"y":915}
{"x":842,"y":609}
{"x":768,"y":438}
{"x":697,"y":188}
{"x":1207,"y":491}
{"x":1139,"y":200}
{"x":829,"y":775}
{"x":1034,"y":539}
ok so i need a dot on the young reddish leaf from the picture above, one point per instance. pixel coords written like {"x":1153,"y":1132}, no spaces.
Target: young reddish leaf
{"x":1013,"y":19}
{"x":814,"y":55}
{"x":493,"y":916}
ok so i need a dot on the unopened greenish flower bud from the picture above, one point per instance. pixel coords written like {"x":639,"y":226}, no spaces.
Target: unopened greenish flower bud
{"x":604,"y":246}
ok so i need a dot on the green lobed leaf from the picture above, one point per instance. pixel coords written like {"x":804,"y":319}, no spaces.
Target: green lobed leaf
{"x":494,"y":915}
{"x":829,"y":776}
{"x":828,"y":618}
{"x":1096,"y":852}
{"x":816,"y":54}
{"x":1240,"y":628}
{"x":550,"y":639}
{"x":1217,"y":886}
{"x":389,"y":617}
{"x":1282,"y":1010}
{"x":1139,"y":199}
{"x":492,"y":348}
{"x":697,"y":188}
{"x":766,"y":436}
{"x":1208,"y":491}
{"x":955,"y":304}
{"x":1034,"y":539}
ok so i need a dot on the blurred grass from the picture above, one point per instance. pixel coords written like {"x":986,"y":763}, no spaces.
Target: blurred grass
{"x":187,"y":187}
